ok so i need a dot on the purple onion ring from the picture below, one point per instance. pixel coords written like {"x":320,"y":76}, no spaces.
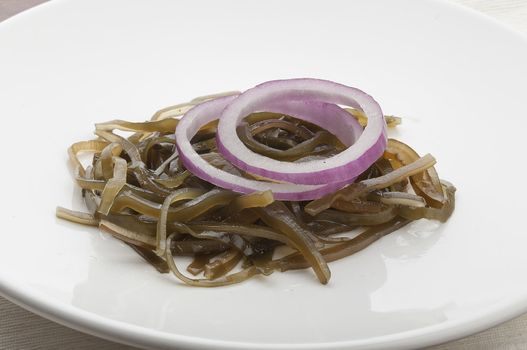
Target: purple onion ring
{"x":342,"y":167}
{"x":345,"y":128}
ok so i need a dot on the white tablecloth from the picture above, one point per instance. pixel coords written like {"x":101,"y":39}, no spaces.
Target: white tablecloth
{"x":20,"y":329}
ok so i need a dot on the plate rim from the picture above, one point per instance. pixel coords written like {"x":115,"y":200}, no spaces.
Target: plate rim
{"x":87,"y":322}
{"x":133,"y":335}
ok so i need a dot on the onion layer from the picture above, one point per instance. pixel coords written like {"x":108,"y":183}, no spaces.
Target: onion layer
{"x":344,"y":166}
{"x":344,"y":127}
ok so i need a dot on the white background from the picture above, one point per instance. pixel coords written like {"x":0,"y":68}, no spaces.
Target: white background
{"x":20,"y":329}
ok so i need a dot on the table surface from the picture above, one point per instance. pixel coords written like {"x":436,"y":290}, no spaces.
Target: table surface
{"x":20,"y":329}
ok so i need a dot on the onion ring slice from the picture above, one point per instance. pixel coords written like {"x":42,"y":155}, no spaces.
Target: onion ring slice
{"x":209,"y":111}
{"x":341,"y":167}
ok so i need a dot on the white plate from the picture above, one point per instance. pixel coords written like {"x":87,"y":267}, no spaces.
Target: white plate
{"x":458,"y":78}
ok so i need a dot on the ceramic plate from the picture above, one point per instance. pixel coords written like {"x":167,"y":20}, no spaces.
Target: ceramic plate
{"x":456,"y":77}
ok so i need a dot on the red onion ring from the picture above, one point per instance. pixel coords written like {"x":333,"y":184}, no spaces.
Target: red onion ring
{"x":209,"y":111}
{"x":344,"y":166}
